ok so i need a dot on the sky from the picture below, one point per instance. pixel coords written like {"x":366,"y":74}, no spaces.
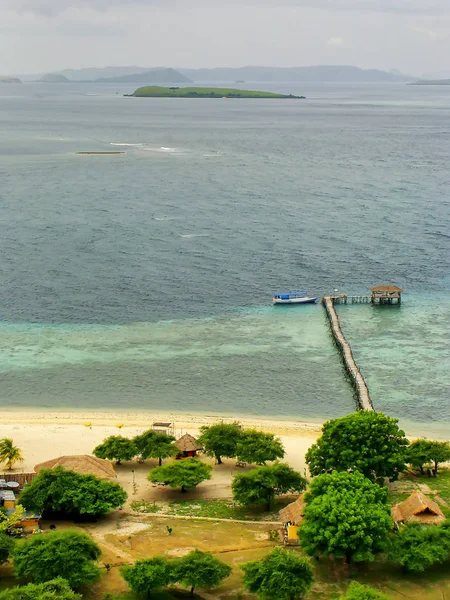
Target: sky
{"x":38,"y":36}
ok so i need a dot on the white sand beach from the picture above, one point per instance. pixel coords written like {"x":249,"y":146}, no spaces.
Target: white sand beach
{"x":46,"y":435}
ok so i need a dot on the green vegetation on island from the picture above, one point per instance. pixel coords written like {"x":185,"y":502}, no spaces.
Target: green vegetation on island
{"x":155,"y":91}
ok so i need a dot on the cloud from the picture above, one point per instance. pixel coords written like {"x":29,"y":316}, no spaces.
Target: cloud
{"x":53,"y":7}
{"x":336,"y":42}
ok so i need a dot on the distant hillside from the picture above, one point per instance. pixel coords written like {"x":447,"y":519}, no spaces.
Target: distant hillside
{"x":94,"y":73}
{"x":432,"y":82}
{"x":298,"y":74}
{"x":9,"y":80}
{"x":54,"y":78}
{"x":149,"y":77}
{"x":321,"y":73}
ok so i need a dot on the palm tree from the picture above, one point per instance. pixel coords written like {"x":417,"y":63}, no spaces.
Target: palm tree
{"x":9,"y":453}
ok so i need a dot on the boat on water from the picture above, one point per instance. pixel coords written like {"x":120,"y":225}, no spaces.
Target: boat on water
{"x":293,"y":298}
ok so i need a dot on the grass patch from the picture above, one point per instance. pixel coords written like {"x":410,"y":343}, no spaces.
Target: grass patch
{"x":439,"y":484}
{"x":225,"y":509}
{"x":145,"y":507}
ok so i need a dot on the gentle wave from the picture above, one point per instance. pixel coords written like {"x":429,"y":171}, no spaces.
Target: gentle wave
{"x":193,"y":235}
{"x":124,"y":144}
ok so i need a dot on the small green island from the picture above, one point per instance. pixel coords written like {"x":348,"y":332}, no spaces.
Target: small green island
{"x":155,"y":91}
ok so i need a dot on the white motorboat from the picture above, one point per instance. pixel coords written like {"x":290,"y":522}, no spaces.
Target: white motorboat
{"x":293,"y":298}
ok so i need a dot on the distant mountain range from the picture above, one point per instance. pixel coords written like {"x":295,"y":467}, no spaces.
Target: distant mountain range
{"x":323,"y":73}
{"x":152,"y":76}
{"x":161,"y":75}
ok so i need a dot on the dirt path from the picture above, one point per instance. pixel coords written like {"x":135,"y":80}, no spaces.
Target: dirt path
{"x":192,"y":518}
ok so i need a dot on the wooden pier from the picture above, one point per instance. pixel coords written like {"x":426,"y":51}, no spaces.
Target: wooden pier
{"x":362,"y":391}
{"x":344,"y":299}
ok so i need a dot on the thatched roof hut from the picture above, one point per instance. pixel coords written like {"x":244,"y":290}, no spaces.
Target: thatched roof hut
{"x":293,"y":512}
{"x":386,"y":294}
{"x":418,"y":508}
{"x":387,"y":289}
{"x":83,"y":464}
{"x":188,"y":443}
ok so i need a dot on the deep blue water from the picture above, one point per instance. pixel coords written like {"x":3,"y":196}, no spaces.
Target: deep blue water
{"x":144,"y":280}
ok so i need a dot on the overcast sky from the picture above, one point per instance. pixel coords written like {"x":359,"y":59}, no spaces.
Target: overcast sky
{"x":48,"y":35}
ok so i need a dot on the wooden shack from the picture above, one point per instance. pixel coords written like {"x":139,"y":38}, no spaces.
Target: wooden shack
{"x":188,"y":446}
{"x":418,"y":508}
{"x":291,"y":517}
{"x":163,"y":427}
{"x":386,"y":294}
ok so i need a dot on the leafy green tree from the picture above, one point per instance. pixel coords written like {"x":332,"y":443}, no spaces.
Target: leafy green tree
{"x":220,"y":440}
{"x":61,"y":491}
{"x":6,"y":547}
{"x":149,"y":575}
{"x":9,"y":453}
{"x":71,"y":555}
{"x":153,"y":444}
{"x":424,"y":451}
{"x":281,"y":575}
{"x":365,"y":441}
{"x":57,"y":589}
{"x":346,"y":515}
{"x":439,"y":453}
{"x":418,"y":547}
{"x":356,"y":591}
{"x":200,"y":569}
{"x":116,"y":447}
{"x":417,"y":454}
{"x":186,"y":473}
{"x":7,"y":521}
{"x":264,"y":483}
{"x":257,"y":447}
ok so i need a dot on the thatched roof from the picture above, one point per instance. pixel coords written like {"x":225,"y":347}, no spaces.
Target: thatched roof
{"x":187,"y":443}
{"x":83,"y":464}
{"x":388,"y":289}
{"x":293,"y":512}
{"x":418,"y":508}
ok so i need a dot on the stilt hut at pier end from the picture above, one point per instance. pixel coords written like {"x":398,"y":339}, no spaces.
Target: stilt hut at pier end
{"x":386,"y":294}
{"x":187,"y":446}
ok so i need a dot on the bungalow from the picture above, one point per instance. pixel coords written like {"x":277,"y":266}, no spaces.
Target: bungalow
{"x":418,"y":508}
{"x":291,"y":517}
{"x":188,"y":446}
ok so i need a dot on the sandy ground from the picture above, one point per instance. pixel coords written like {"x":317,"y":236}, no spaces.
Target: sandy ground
{"x":46,"y":435}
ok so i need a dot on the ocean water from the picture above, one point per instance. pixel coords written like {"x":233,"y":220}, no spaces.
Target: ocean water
{"x":144,"y":280}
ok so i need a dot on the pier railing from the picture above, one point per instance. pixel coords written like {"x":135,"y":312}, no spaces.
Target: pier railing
{"x":362,"y":391}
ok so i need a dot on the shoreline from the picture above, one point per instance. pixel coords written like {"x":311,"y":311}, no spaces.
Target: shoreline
{"x":44,"y":435}
{"x":279,"y":425}
{"x":143,"y":418}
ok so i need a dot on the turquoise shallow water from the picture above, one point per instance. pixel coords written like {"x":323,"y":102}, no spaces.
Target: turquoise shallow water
{"x":264,"y":362}
{"x":404,"y":355}
{"x":145,"y":280}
